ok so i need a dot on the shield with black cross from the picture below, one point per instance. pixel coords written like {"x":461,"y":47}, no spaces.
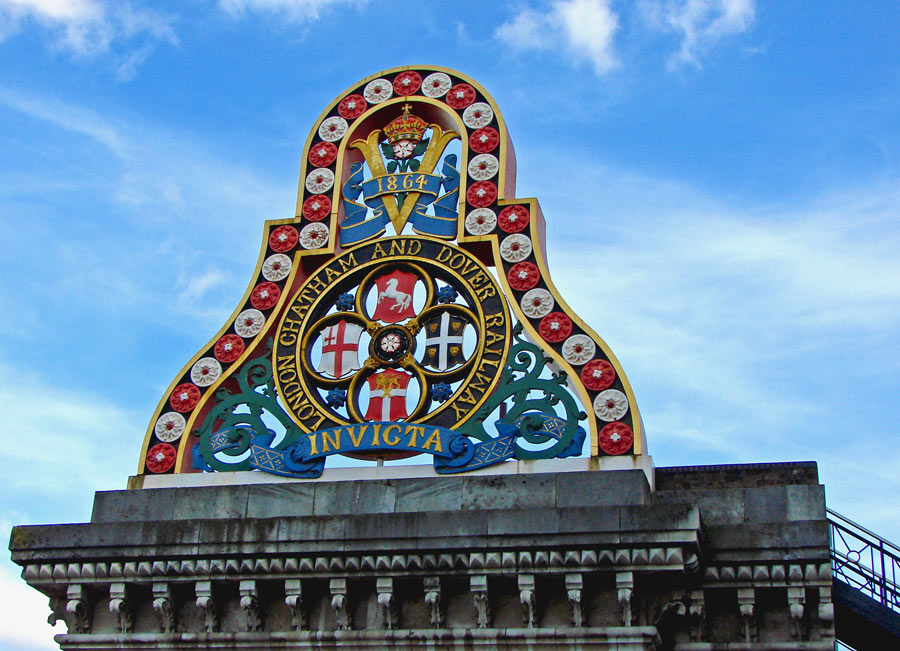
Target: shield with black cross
{"x":444,"y":341}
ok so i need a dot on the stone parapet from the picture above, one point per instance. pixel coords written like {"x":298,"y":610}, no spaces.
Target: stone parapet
{"x":544,"y":560}
{"x":486,"y":492}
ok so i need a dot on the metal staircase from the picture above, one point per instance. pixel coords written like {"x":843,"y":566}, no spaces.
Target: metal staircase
{"x":865,"y":591}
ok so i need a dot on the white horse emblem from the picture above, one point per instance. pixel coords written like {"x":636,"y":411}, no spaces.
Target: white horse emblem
{"x":401,"y":299}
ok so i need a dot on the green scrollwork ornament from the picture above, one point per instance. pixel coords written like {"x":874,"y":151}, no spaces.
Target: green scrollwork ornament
{"x":227,"y":432}
{"x":522,"y":375}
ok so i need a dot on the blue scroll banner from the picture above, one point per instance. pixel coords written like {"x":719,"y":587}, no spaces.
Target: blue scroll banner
{"x":356,"y":227}
{"x":453,"y":452}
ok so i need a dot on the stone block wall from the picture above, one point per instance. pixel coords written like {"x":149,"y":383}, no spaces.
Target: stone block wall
{"x":714,"y":558}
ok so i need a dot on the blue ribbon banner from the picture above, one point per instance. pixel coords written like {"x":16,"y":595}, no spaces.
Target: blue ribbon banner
{"x":358,"y":226}
{"x":453,"y":452}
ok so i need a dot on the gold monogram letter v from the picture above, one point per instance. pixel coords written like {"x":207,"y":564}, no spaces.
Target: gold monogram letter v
{"x":369,"y":148}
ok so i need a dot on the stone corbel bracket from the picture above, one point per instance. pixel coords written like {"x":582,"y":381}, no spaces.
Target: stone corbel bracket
{"x":250,"y":606}
{"x":432,"y":586}
{"x":162,"y":572}
{"x":384,"y":587}
{"x":207,"y":606}
{"x":118,"y":606}
{"x":339,"y":603}
{"x":479,"y":587}
{"x":164,"y":607}
{"x":527,"y":599}
{"x":795,"y":579}
{"x":293,"y":597}
{"x":79,"y":609}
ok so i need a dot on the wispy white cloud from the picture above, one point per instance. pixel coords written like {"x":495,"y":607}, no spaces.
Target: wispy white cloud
{"x":24,"y":623}
{"x":741,"y":328}
{"x":716,"y":292}
{"x":127,"y":66}
{"x":94,"y":443}
{"x":700,"y":24}
{"x":63,"y":445}
{"x":583,"y":29}
{"x":90,"y":28}
{"x":158,"y":190}
{"x":158,"y":166}
{"x":61,"y":10}
{"x":871,"y":505}
{"x":297,"y":10}
{"x":65,"y":116}
{"x":197,"y":283}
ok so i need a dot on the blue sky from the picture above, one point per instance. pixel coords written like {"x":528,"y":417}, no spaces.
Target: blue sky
{"x":719,"y":177}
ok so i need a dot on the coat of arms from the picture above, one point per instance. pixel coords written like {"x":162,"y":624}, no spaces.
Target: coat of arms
{"x":455,"y":329}
{"x":444,"y":341}
{"x":395,"y":294}
{"x":340,"y":345}
{"x":387,"y":396}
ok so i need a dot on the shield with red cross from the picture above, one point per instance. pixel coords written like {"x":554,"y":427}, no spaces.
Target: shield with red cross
{"x":387,"y":396}
{"x":340,"y":346}
{"x":395,"y":294}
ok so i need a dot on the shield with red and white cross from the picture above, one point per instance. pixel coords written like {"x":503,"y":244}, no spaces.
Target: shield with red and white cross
{"x":387,"y":395}
{"x":340,"y":346}
{"x":395,"y":294}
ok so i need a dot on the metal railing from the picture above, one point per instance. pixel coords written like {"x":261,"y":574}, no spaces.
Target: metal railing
{"x":864,"y":560}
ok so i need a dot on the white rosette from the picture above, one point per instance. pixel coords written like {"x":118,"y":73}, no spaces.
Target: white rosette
{"x":314,"y":236}
{"x":436,"y":85}
{"x":481,"y":221}
{"x":206,"y":371}
{"x":378,"y":90}
{"x":610,"y":405}
{"x":578,"y":349}
{"x":483,"y":167}
{"x":478,"y":115}
{"x":169,"y":427}
{"x":249,"y":322}
{"x":332,"y":129}
{"x":276,"y":267}
{"x":537,"y":303}
{"x":320,"y":180}
{"x":515,"y":247}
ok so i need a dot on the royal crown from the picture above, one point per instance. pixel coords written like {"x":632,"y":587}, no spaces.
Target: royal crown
{"x":406,"y":127}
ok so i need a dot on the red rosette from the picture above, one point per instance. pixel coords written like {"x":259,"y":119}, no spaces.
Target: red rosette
{"x":523,"y":276}
{"x":322,"y":154}
{"x":317,"y":207}
{"x":481,"y":194}
{"x":460,"y":96}
{"x":352,"y":107}
{"x":407,"y":83}
{"x":185,"y":397}
{"x":616,"y":438}
{"x":598,"y":375}
{"x":265,"y":295}
{"x":484,"y":140}
{"x":283,"y":238}
{"x":513,"y":219}
{"x":160,"y":458}
{"x":228,"y":348}
{"x":555,"y":327}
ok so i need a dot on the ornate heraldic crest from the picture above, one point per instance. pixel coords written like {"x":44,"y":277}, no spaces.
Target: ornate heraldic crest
{"x":406,"y":309}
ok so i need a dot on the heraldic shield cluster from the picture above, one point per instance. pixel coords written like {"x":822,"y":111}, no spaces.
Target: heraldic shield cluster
{"x":407,"y":308}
